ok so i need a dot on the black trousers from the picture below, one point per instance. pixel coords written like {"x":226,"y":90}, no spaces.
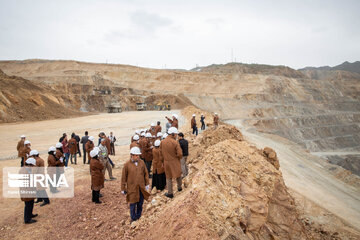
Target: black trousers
{"x":78,"y":147}
{"x":84,"y":155}
{"x":95,"y":196}
{"x":44,"y":195}
{"x":195,"y":130}
{"x":148,"y":166}
{"x":22,"y":162}
{"x":202,"y":126}
{"x":28,"y":209}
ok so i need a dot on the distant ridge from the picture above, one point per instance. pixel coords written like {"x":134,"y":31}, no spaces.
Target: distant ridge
{"x":346,"y":66}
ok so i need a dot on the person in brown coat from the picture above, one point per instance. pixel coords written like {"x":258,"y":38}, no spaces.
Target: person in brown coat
{"x":157,"y":128}
{"x":152,"y":129}
{"x":174,"y":121}
{"x":216,"y":121}
{"x":97,"y":176}
{"x":108,"y":146}
{"x":40,"y":169}
{"x":159,"y":178}
{"x":89,"y":146}
{"x":193,"y":125}
{"x":53,"y":163}
{"x":27,"y":194}
{"x":59,"y":155}
{"x":135,"y":183}
{"x":135,"y":142}
{"x":142,"y":144}
{"x":19,"y":148}
{"x":25,"y":151}
{"x":171,"y":154}
{"x":73,"y":148}
{"x":147,"y":153}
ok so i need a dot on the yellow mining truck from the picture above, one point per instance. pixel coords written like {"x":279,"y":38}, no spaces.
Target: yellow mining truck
{"x":163,"y":106}
{"x":141,"y":106}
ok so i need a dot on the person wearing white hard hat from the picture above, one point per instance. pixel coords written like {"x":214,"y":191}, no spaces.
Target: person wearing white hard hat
{"x":73,"y":148}
{"x":60,"y":156}
{"x":147,"y":152}
{"x":25,"y":151}
{"x":135,"y":183}
{"x":40,"y":169}
{"x":104,"y":157}
{"x":142,"y":145}
{"x":194,"y":125}
{"x":202,"y":120}
{"x":152,"y":129}
{"x":159,"y":178}
{"x":20,"y":146}
{"x":135,"y":141}
{"x":171,"y":155}
{"x":27,"y":194}
{"x":158,"y":136}
{"x":89,"y":146}
{"x":174,"y":121}
{"x":97,"y":176}
{"x":53,"y":163}
{"x":216,"y":120}
{"x":164,"y":136}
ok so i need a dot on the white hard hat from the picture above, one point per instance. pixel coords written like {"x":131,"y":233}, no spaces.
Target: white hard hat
{"x":215,"y":113}
{"x":136,"y":137}
{"x":175,"y":116}
{"x":159,"y":134}
{"x":94,"y":152}
{"x":23,"y":136}
{"x":202,"y":114}
{"x":135,"y":151}
{"x":173,"y":130}
{"x":58,"y":145}
{"x":26,"y":142}
{"x":165,"y":135}
{"x":157,"y":143}
{"x":148,"y":135}
{"x":91,"y":138}
{"x":31,"y":161}
{"x":153,"y":124}
{"x":52,"y":149}
{"x":194,"y":115}
{"x":33,"y":153}
{"x":137,"y":132}
{"x":142,"y":134}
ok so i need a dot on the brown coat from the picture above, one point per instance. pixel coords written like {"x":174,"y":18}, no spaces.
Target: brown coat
{"x":107,"y":144}
{"x":134,"y":144}
{"x":142,"y":144}
{"x":148,"y":151}
{"x":193,"y":122}
{"x":97,"y":176}
{"x":174,"y":122}
{"x":216,"y":120}
{"x":170,"y":154}
{"x":134,"y":179}
{"x":40,"y":169}
{"x":88,"y":147}
{"x":20,"y":146}
{"x":158,"y":165}
{"x":157,"y":129}
{"x":25,"y":151}
{"x":152,"y":130}
{"x":52,"y":163}
{"x":58,"y":155}
{"x":73,"y":146}
{"x":27,"y":197}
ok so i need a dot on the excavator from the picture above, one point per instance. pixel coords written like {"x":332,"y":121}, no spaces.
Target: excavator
{"x":163,"y":106}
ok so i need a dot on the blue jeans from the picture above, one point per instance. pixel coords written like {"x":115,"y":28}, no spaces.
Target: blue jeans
{"x":136,"y":208}
{"x":67,"y":155}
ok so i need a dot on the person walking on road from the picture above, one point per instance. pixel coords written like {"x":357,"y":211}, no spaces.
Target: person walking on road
{"x":65,"y":147}
{"x":27,"y":194}
{"x":77,"y":138}
{"x":25,"y":151}
{"x":53,"y":164}
{"x":73,"y":148}
{"x":171,"y":155}
{"x":40,"y":169}
{"x":202,"y":120}
{"x":20,"y":147}
{"x":103,"y":155}
{"x":135,"y":183}
{"x":112,"y":143}
{"x":84,"y":140}
{"x":89,"y":146}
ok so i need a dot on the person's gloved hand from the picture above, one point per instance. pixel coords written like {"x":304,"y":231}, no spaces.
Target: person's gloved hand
{"x":123,"y":192}
{"x":147,"y":188}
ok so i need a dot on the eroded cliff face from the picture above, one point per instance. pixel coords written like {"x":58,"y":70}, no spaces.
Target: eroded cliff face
{"x":233,"y":192}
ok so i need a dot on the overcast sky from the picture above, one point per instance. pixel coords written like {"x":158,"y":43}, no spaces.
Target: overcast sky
{"x":181,"y":34}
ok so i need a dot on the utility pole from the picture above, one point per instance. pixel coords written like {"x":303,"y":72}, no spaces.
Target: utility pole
{"x":232,"y":55}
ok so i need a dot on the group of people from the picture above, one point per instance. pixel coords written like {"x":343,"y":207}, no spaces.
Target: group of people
{"x":153,"y":154}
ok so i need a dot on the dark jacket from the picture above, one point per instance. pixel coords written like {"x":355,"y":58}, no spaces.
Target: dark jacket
{"x":77,"y":138}
{"x":84,"y":140}
{"x":184,"y":146}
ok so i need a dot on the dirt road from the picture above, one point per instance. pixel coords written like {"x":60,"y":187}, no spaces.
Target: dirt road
{"x":307,"y":175}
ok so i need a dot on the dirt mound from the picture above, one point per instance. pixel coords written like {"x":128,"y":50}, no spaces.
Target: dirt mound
{"x":232,"y":192}
{"x":271,"y":156}
{"x":22,"y":100}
